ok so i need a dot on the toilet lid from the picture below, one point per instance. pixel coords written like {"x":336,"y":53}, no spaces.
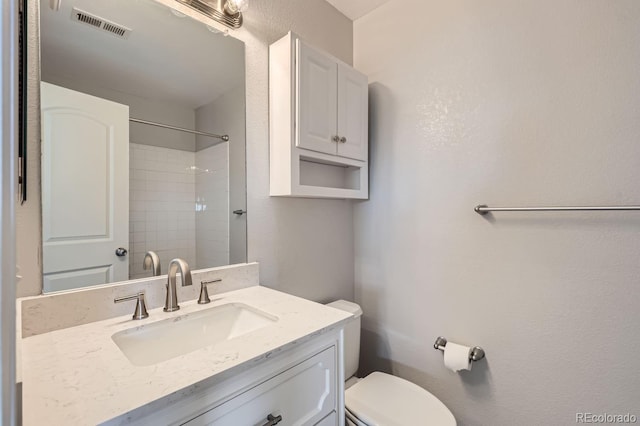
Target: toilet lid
{"x":384,"y":400}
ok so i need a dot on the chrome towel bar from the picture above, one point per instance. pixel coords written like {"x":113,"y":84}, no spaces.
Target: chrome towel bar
{"x":484,"y":209}
{"x":475,"y":354}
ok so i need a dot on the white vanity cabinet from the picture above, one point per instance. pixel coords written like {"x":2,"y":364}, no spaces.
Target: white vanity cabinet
{"x":253,"y":356}
{"x":301,"y":386}
{"x":303,"y":395}
{"x":318,"y":123}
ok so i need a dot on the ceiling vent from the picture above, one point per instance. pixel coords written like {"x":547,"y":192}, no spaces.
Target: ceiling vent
{"x":99,"y":23}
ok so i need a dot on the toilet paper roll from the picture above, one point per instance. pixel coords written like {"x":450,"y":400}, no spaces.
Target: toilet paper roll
{"x":456,"y":357}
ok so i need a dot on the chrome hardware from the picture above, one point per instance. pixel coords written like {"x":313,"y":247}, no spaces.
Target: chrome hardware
{"x":141,"y":307}
{"x":204,"y":293}
{"x":336,"y":138}
{"x":121,"y":252}
{"x":483,"y":209}
{"x":272,"y":421}
{"x":343,"y":140}
{"x":224,"y":138}
{"x":239,"y":212}
{"x":475,"y":354}
{"x":152,"y":261}
{"x":440,"y":343}
{"x":171,"y":302}
{"x":233,"y":7}
{"x":216,"y":10}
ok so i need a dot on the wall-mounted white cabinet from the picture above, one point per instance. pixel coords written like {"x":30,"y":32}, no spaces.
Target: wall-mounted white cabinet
{"x":318,"y":123}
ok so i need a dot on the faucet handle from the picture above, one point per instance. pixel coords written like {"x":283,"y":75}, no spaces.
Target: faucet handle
{"x":204,"y":293}
{"x":141,"y":307}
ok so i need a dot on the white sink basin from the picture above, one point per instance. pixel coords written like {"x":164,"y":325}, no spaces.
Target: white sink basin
{"x":163,"y":340}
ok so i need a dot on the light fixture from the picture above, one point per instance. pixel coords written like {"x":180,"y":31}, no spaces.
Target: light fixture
{"x":233,"y":7}
{"x":226,"y":12}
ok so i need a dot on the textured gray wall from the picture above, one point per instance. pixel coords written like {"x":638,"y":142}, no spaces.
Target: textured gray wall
{"x":304,"y":246}
{"x":8,"y":136}
{"x":530,"y":102}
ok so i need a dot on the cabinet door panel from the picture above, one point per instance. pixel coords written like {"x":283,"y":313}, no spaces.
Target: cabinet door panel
{"x":303,"y":395}
{"x":330,"y":420}
{"x":353,"y":107}
{"x":317,"y":98}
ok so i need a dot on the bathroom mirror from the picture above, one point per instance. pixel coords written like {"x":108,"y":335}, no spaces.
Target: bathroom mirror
{"x":143,"y":142}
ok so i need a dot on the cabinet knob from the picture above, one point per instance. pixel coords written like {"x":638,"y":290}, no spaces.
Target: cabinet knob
{"x":272,"y":421}
{"x":343,"y":140}
{"x":336,"y":138}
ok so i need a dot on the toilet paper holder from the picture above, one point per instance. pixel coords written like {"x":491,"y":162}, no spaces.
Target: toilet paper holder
{"x":475,"y":354}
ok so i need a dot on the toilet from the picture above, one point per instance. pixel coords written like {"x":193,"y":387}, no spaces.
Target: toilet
{"x":381,"y":399}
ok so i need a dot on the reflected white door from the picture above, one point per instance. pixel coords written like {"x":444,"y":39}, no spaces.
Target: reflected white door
{"x":85,"y":189}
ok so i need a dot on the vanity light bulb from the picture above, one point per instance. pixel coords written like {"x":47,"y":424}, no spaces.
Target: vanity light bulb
{"x":236,"y":6}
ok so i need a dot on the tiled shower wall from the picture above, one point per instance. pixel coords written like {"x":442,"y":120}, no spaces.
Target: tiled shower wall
{"x":212,"y":206}
{"x":161,"y":206}
{"x":178,"y":206}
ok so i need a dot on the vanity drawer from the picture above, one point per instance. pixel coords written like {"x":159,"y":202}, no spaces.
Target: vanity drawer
{"x":303,"y":395}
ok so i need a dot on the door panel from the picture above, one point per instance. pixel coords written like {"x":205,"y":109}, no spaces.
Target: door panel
{"x":83,"y":220}
{"x":353,"y":89}
{"x":317,"y":96}
{"x":58,"y":281}
{"x":330,"y":420}
{"x":76,"y":210}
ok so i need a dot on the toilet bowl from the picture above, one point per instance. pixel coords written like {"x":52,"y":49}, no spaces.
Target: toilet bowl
{"x":381,"y":399}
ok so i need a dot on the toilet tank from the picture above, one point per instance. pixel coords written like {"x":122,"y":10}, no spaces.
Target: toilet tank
{"x":351,"y":336}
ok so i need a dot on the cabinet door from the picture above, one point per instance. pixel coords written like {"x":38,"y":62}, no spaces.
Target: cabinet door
{"x":303,"y":395}
{"x":330,"y":420}
{"x":353,"y":95}
{"x":317,"y":100}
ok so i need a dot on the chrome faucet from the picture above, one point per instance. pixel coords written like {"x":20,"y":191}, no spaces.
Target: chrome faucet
{"x":171,"y":302}
{"x":152,"y":261}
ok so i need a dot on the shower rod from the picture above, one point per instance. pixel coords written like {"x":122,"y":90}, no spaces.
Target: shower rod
{"x":484,"y":209}
{"x":180,"y":129}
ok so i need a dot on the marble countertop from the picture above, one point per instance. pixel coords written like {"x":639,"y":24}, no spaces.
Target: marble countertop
{"x":78,"y":375}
